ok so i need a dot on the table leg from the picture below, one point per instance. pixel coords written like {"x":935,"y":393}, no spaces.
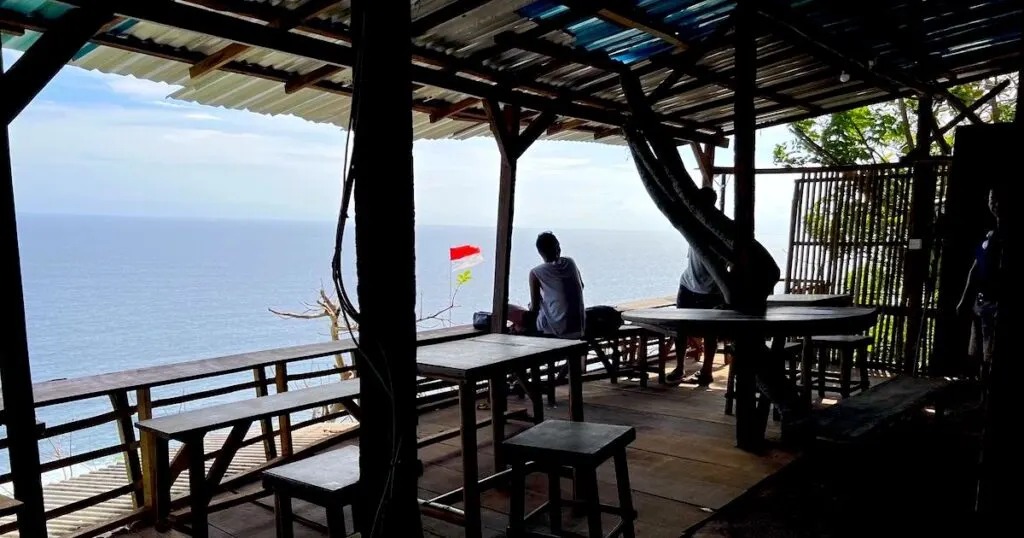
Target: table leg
{"x":499,"y":401}
{"x":746,"y":394}
{"x":199,"y":496}
{"x":576,"y":388}
{"x":537,"y":393}
{"x":162,"y":497}
{"x":470,"y":472}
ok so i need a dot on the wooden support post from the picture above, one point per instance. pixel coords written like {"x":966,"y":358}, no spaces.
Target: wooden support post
{"x":15,"y":372}
{"x":922,"y":213}
{"x":266,"y":425}
{"x":503,"y":134}
{"x":706,"y":161}
{"x":505,"y":125}
{"x":745,"y":126}
{"x":284,"y":422}
{"x":148,"y":447}
{"x":386,"y":270}
{"x":126,"y":431}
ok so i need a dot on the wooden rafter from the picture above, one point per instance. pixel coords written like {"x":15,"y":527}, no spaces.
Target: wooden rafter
{"x":444,"y":14}
{"x":202,"y":21}
{"x":630,"y":16}
{"x":287,"y":21}
{"x":309,"y":79}
{"x":27,"y":77}
{"x":691,"y":57}
{"x":454,"y":108}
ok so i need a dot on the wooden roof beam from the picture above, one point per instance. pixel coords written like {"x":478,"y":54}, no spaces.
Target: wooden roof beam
{"x":444,"y":14}
{"x":629,"y":16}
{"x":199,"y":20}
{"x":454,"y":108}
{"x":309,"y":79}
{"x":286,"y":21}
{"x":691,"y":57}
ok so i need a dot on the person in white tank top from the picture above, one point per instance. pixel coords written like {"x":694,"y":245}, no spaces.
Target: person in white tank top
{"x":556,"y":291}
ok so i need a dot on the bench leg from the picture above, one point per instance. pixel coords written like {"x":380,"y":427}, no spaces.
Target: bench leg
{"x":625,"y":494}
{"x":162,"y":482}
{"x":336,"y":521}
{"x":592,"y":501}
{"x":555,"y":501}
{"x":862,"y":366}
{"x":283,"y":515}
{"x":536,"y":390}
{"x":641,"y":360}
{"x":845,"y":371}
{"x":517,"y":500}
{"x":822,"y":370}
{"x":730,"y":390}
{"x":663,"y":344}
{"x":199,"y":495}
{"x":470,"y":470}
{"x":806,"y":361}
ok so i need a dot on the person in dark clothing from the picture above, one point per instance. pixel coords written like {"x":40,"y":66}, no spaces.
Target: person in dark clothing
{"x":981,"y":294}
{"x":697,"y":289}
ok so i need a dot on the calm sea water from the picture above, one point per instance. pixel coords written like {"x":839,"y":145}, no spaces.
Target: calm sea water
{"x":105,"y":294}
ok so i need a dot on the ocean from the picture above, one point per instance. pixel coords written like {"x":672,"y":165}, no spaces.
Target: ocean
{"x":105,"y":294}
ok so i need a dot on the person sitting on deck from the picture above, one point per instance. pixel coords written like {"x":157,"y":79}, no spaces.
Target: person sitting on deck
{"x":556,"y":291}
{"x":697,"y":289}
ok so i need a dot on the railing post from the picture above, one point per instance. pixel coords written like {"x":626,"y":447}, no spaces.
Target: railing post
{"x":126,"y":431}
{"x":144,"y":404}
{"x":284,"y":422}
{"x":266,"y":425}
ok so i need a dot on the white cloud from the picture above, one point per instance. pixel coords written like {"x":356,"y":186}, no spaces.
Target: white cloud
{"x":139,"y":89}
{"x":200,"y":116}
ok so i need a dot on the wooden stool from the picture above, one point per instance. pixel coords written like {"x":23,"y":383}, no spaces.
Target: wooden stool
{"x":792,"y":350}
{"x":329,"y":480}
{"x":582,"y":446}
{"x":848,"y":346}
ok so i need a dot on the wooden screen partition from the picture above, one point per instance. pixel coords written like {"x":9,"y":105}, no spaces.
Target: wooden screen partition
{"x":849,"y":234}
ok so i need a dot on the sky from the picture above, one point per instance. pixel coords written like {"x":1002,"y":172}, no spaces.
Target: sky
{"x":102,"y":144}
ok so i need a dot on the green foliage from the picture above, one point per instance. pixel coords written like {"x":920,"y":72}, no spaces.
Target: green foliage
{"x":887,"y":131}
{"x":463,"y":277}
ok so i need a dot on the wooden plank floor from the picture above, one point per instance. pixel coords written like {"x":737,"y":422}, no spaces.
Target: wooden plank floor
{"x":683,"y":466}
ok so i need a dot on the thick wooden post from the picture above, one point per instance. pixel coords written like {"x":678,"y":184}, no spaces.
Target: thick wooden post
{"x":15,"y":371}
{"x":386,"y":269}
{"x":918,"y":256}
{"x":744,"y":121}
{"x":505,"y":127}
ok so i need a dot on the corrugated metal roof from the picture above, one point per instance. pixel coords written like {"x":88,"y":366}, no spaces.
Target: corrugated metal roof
{"x":950,"y":38}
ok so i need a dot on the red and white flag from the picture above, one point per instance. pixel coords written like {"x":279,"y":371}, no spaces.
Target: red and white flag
{"x":465,"y":256}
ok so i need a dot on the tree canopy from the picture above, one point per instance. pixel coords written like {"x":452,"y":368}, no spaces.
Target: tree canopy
{"x":888,"y":131}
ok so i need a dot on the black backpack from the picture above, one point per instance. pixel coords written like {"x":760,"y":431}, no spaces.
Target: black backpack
{"x":601,"y":321}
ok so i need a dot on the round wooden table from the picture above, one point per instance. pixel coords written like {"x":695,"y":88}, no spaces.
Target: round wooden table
{"x":754,"y":365}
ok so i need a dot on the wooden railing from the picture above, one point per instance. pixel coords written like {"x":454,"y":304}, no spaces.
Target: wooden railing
{"x":143,"y":393}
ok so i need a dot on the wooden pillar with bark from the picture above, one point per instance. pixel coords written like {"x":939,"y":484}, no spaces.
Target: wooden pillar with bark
{"x":382,"y":169}
{"x":512,"y":143}
{"x":918,"y":256}
{"x":745,"y":120}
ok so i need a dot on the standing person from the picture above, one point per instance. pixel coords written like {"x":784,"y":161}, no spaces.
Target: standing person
{"x":556,"y":291}
{"x":981,"y":293}
{"x":697,"y":289}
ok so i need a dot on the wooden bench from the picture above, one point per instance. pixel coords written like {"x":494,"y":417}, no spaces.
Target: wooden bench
{"x":877,"y":408}
{"x":329,"y":480}
{"x":853,"y":350}
{"x":191,"y":427}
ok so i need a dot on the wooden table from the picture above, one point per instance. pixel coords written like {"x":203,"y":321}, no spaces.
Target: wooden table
{"x":492,"y":358}
{"x":755,"y":366}
{"x":810,"y":299}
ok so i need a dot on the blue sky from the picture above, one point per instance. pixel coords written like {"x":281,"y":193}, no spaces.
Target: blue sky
{"x":112,"y":145}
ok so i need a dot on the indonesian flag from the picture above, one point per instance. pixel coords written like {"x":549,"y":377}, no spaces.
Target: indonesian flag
{"x":465,"y":256}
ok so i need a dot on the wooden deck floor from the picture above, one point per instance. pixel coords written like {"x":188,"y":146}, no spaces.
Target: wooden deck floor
{"x":683,"y":466}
